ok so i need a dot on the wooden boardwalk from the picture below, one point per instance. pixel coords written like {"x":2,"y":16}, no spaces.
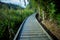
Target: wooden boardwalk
{"x":32,"y":30}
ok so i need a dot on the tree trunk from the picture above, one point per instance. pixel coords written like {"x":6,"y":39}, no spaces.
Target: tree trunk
{"x":43,"y":17}
{"x":39,"y":13}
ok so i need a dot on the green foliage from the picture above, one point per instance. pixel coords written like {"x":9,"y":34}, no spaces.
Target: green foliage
{"x":51,"y":10}
{"x":49,"y":7}
{"x":12,"y":18}
{"x":58,"y":19}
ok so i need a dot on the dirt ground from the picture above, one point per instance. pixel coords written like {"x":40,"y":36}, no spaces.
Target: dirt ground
{"x":53,"y":28}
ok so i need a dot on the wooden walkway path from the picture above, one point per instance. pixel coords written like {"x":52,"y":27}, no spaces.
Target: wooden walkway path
{"x":32,"y":30}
